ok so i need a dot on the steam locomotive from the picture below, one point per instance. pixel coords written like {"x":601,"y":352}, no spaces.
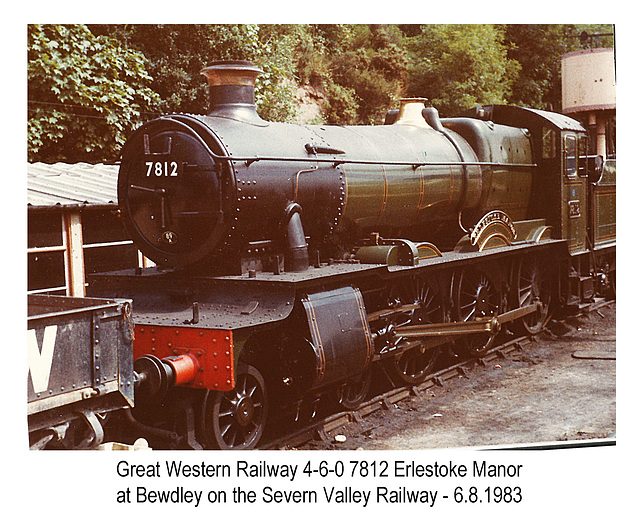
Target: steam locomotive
{"x":290,"y":260}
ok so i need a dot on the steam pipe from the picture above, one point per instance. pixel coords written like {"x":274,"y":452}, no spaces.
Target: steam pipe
{"x":297,"y":258}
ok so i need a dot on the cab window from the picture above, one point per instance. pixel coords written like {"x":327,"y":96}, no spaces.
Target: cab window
{"x":548,"y":143}
{"x":582,"y":156}
{"x":570,"y":155}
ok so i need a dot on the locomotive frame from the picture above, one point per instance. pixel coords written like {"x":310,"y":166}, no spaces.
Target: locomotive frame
{"x":292,"y":260}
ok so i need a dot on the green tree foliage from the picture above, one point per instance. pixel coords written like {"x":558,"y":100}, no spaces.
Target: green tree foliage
{"x":360,"y":69}
{"x":89,"y":86}
{"x":177,"y":53}
{"x":537,"y":48}
{"x":315,"y":47}
{"x":85,"y":94}
{"x":459,"y":66}
{"x":374,"y":65}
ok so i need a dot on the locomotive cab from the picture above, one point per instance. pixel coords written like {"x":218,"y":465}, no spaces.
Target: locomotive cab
{"x":575,"y":191}
{"x":560,"y":179}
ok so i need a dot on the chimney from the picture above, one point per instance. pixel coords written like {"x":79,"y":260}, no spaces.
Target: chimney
{"x":232,"y":90}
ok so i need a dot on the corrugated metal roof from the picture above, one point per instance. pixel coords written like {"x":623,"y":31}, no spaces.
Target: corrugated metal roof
{"x":72,"y":185}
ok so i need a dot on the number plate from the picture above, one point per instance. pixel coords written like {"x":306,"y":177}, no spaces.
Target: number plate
{"x":574,"y":208}
{"x":167,"y":168}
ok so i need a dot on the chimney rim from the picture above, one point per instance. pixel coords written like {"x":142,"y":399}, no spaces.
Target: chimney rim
{"x":231,"y":72}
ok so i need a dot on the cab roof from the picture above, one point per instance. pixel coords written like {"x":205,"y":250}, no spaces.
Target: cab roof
{"x":524,"y":117}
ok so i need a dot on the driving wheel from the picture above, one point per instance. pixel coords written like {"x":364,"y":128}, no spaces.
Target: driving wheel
{"x":532,"y":286}
{"x":475,"y":296}
{"x":413,"y":365}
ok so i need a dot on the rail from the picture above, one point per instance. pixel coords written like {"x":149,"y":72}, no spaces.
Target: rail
{"x":320,"y":430}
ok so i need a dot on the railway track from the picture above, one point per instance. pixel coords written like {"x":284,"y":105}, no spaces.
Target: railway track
{"x":322,"y":429}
